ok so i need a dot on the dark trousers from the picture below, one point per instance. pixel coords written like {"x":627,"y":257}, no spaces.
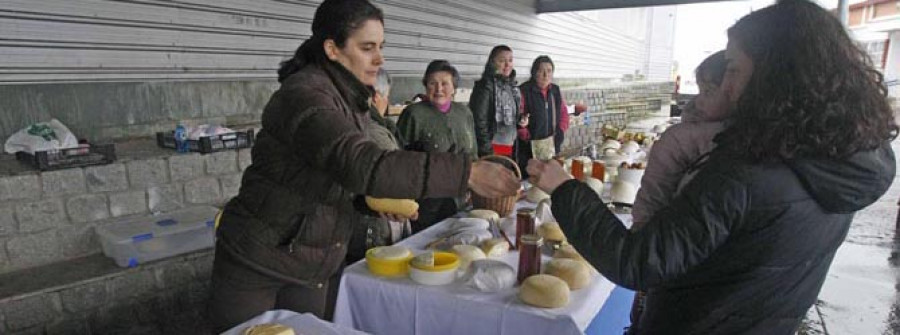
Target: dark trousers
{"x":240,"y":293}
{"x":432,"y":211}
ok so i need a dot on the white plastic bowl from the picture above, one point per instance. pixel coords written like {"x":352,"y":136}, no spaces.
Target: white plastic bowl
{"x":432,"y":277}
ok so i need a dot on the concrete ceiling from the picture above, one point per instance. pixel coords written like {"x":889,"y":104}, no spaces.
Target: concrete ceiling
{"x":551,"y":6}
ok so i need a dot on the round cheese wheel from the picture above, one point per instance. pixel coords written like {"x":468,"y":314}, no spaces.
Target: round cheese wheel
{"x":550,"y":231}
{"x":623,"y":192}
{"x":573,"y":272}
{"x":595,"y":184}
{"x":535,"y":195}
{"x":467,"y":254}
{"x":269,"y":329}
{"x":568,"y":251}
{"x":392,"y":252}
{"x":544,"y":291}
{"x":489,"y":275}
{"x":495,"y":247}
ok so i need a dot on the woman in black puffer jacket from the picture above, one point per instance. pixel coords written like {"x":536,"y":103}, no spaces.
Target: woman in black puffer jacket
{"x":745,"y":247}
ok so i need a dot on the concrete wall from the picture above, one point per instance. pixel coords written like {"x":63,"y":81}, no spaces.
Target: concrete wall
{"x":111,"y":69}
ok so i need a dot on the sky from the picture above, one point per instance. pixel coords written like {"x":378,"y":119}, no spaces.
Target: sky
{"x":700,"y":31}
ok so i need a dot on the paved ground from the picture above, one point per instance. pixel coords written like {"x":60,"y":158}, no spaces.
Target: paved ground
{"x":862,"y":292}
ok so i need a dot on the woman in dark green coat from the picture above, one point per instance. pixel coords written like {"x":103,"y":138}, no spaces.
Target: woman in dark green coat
{"x":438,"y":125}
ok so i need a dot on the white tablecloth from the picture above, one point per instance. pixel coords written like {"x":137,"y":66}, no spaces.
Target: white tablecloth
{"x":400,"y":306}
{"x":306,"y":324}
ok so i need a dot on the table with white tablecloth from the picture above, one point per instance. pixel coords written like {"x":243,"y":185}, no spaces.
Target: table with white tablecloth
{"x":305,"y":324}
{"x":400,"y":306}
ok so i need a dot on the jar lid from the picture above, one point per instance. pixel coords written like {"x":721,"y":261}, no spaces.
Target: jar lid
{"x":532,"y":239}
{"x":525,"y":211}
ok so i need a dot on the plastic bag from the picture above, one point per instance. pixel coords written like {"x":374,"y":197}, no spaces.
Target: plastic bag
{"x":488,"y":275}
{"x":41,"y":136}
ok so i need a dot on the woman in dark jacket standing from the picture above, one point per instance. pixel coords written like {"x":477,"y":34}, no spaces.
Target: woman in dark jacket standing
{"x":283,"y":239}
{"x":746,"y":246}
{"x":544,"y":109}
{"x":495,"y":104}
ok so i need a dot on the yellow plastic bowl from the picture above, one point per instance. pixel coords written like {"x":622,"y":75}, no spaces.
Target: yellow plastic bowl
{"x":443,"y":261}
{"x":388,"y":267}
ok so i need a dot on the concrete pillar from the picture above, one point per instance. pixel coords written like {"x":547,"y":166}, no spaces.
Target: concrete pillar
{"x":892,"y":64}
{"x":844,"y":12}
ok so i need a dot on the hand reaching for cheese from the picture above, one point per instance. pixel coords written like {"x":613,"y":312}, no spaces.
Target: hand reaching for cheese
{"x":394,"y":209}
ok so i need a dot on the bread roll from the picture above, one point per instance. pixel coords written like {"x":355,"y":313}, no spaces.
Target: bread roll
{"x":573,"y":272}
{"x":269,"y":329}
{"x":495,"y":247}
{"x":402,"y":207}
{"x":550,"y":231}
{"x":467,"y":254}
{"x":544,"y":291}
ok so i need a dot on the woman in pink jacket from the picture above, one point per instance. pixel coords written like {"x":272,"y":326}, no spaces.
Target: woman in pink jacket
{"x":683,"y":147}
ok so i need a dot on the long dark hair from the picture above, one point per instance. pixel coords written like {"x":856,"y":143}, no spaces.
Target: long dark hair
{"x":812,"y":93}
{"x":536,"y":65}
{"x":489,"y":68}
{"x":334,"y":20}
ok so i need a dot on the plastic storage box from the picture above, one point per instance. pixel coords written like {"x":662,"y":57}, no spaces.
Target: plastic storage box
{"x":138,"y":240}
{"x":209,"y":144}
{"x":69,"y":158}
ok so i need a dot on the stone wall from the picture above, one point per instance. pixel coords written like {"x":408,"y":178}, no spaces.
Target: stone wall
{"x":165,"y":297}
{"x":47,"y":217}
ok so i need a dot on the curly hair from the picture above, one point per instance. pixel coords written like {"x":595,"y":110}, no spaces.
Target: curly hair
{"x":812,"y":93}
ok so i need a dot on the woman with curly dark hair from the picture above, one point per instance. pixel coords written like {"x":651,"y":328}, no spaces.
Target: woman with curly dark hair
{"x":745,"y":247}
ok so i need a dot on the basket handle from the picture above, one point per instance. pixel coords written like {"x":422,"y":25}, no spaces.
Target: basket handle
{"x":494,"y":158}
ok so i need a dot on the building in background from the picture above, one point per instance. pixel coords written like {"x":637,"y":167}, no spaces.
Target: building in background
{"x":111,"y":69}
{"x":875,"y":24}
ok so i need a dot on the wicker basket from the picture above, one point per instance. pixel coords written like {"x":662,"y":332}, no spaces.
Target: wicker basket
{"x":505,"y":205}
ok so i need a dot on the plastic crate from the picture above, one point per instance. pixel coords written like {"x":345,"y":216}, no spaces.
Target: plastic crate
{"x":69,"y":158}
{"x":209,"y":144}
{"x":139,"y":240}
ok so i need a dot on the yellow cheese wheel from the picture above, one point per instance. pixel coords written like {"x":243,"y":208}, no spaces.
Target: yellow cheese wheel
{"x":269,"y":329}
{"x":402,"y":207}
{"x":568,"y":251}
{"x":544,"y":291}
{"x":550,"y":231}
{"x":573,"y":272}
{"x":467,"y":254}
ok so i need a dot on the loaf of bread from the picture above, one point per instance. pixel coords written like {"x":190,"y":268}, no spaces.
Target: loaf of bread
{"x":573,"y":272}
{"x":544,"y":291}
{"x":402,"y":207}
{"x":269,"y":329}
